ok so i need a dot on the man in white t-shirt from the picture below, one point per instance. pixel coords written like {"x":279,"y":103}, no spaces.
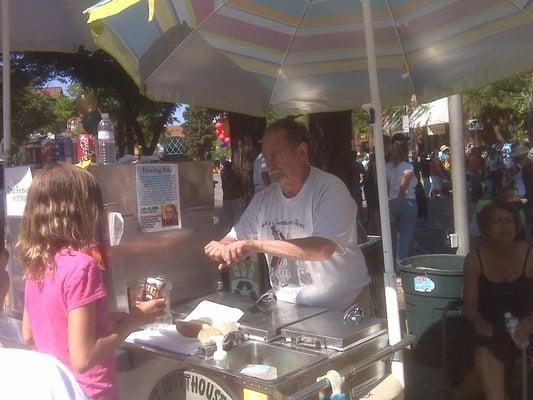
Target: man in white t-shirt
{"x":261,"y":177}
{"x":305,"y":222}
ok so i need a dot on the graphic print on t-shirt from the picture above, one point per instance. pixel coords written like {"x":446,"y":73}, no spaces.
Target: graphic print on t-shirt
{"x":287,"y":273}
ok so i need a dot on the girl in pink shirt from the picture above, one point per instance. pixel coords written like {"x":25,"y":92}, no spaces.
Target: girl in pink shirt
{"x":65,"y":311}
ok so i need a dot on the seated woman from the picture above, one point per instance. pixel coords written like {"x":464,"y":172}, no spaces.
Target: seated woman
{"x":498,"y":278}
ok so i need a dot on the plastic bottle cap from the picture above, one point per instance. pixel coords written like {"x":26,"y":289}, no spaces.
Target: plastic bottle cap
{"x":105,"y":115}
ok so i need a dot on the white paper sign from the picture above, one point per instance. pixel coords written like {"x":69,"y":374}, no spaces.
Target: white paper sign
{"x":18,"y":181}
{"x":115,"y":222}
{"x":158,"y":197}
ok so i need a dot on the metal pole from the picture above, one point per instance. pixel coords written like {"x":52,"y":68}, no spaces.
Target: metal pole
{"x":6,"y":80}
{"x":391,"y":297}
{"x":457,"y":141}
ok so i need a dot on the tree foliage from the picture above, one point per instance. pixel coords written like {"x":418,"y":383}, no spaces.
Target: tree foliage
{"x":137,"y":119}
{"x":505,"y":108}
{"x":199,"y":132}
{"x":30,"y":110}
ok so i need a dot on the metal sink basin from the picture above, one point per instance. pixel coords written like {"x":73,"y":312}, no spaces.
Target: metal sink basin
{"x":285,"y":360}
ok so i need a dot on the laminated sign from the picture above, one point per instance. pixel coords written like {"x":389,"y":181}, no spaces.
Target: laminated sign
{"x":158,"y":198}
{"x":18,"y":181}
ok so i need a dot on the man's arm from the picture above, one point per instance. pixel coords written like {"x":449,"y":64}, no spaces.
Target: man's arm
{"x":404,"y":183}
{"x":311,"y":248}
{"x":216,"y":248}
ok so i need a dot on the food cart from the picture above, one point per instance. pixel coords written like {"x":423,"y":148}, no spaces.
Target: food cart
{"x":300,"y":344}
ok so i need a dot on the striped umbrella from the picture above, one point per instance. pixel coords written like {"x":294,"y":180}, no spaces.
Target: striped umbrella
{"x":321,"y":55}
{"x":310,"y":56}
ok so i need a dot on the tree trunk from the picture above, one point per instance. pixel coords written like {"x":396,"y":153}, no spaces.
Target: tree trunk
{"x":331,"y":143}
{"x":246,"y":131}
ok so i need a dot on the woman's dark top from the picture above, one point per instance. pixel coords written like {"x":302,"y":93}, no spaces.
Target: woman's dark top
{"x":494,"y":300}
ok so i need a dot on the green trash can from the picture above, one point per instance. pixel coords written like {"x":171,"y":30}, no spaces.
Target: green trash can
{"x":430,"y":282}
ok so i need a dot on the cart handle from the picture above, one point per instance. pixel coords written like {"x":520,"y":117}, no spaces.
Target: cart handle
{"x":348,"y":372}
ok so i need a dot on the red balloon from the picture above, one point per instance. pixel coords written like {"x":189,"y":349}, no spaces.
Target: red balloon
{"x":219,"y":125}
{"x":227,"y":140}
{"x":221,"y":137}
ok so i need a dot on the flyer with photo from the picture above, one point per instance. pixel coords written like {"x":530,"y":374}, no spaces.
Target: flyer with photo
{"x":158,"y":197}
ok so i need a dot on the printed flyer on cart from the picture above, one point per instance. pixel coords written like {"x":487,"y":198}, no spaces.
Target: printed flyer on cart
{"x":158,"y":197}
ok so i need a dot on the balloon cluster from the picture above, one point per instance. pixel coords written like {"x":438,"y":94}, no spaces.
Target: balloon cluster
{"x":88,"y":107}
{"x":222,"y":132}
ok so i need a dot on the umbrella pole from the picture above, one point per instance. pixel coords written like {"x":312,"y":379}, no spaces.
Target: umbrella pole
{"x":391,"y":298}
{"x":6,"y":79}
{"x":457,"y":142}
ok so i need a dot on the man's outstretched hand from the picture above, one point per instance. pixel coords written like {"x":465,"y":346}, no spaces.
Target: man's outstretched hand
{"x":228,"y":253}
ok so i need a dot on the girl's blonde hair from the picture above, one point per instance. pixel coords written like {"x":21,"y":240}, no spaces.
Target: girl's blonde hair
{"x":63,"y":208}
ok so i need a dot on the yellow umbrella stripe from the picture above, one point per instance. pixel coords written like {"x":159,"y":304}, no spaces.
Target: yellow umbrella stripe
{"x":109,"y":9}
{"x":115,"y":7}
{"x":164,"y":16}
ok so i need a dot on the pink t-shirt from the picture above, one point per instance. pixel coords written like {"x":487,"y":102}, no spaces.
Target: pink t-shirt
{"x":77,"y":281}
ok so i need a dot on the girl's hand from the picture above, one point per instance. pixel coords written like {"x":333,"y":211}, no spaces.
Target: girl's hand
{"x":146,"y":312}
{"x":525,"y":328}
{"x":483,"y":328}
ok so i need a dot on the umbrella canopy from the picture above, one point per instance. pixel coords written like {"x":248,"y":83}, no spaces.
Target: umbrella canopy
{"x":51,"y":25}
{"x":310,"y":56}
{"x":38,"y":25}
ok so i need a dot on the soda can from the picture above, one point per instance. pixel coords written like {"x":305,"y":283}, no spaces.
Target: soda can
{"x":65,"y":149}
{"x":49,"y":151}
{"x":86,"y":147}
{"x":153,"y":288}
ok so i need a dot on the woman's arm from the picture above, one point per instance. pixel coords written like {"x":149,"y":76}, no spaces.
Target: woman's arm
{"x":471,"y":295}
{"x":404,"y":183}
{"x":26,"y":329}
{"x":86,"y":350}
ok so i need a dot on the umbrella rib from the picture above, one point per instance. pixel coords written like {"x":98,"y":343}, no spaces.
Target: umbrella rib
{"x":300,"y":20}
{"x":193,"y":31}
{"x":404,"y":57}
{"x":513,"y":2}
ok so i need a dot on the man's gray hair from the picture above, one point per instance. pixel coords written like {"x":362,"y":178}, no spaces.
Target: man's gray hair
{"x":296,"y":132}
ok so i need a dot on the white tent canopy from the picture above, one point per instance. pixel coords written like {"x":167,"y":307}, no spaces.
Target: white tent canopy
{"x":434,"y":113}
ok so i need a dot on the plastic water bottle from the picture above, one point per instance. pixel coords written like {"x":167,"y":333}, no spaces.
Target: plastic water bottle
{"x":106,"y":141}
{"x":512,"y":323}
